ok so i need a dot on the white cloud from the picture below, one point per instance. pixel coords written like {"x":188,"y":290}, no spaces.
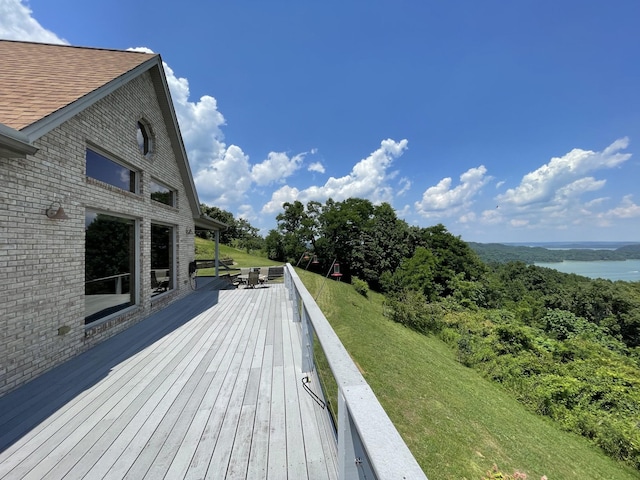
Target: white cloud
{"x":368,"y":179}
{"x":575,"y":189}
{"x":405,"y":185}
{"x":277,"y":167}
{"x":16,"y":23}
{"x":223,"y":175}
{"x":199,"y":121}
{"x":491,"y":217}
{"x":626,"y":209}
{"x":542,"y":184}
{"x":519,"y":222}
{"x":316,"y":167}
{"x":282,"y":195}
{"x":246,"y":211}
{"x":226,"y":179}
{"x":552,"y":197}
{"x":443,"y":200}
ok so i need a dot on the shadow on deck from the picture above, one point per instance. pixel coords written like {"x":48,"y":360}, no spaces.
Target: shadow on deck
{"x":209,"y":387}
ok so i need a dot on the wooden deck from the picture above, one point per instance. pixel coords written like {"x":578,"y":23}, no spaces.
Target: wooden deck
{"x":210,"y":387}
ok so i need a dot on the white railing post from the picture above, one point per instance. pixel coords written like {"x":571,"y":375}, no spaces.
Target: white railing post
{"x":307,"y":342}
{"x":347,"y":468}
{"x":296,"y":306}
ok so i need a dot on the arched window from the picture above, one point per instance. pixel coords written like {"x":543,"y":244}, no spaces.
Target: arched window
{"x":145,"y":138}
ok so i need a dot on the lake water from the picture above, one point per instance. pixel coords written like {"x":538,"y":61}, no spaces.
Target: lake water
{"x":627,"y":270}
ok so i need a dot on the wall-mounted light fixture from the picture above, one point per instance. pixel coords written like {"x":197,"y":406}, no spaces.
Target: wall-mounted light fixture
{"x":56,"y":211}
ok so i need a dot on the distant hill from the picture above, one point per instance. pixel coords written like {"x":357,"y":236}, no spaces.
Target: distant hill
{"x":502,"y":253}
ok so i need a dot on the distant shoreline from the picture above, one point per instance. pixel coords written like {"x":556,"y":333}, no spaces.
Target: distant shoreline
{"x":573,"y":245}
{"x":554,"y":252}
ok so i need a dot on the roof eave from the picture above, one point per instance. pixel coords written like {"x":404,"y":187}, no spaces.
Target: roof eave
{"x":208,"y":223}
{"x":14,"y":144}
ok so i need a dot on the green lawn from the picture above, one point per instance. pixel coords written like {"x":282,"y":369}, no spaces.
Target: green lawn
{"x":205,"y":249}
{"x":456,"y":423}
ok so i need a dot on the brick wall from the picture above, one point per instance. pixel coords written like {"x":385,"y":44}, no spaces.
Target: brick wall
{"x":42,"y":260}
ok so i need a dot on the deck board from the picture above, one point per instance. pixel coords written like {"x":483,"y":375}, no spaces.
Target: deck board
{"x":210,"y":387}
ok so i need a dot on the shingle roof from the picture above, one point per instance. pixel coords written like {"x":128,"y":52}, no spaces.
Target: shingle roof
{"x":38,"y":79}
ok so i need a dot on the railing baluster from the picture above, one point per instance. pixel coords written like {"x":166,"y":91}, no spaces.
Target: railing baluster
{"x":307,"y":342}
{"x":347,"y":467}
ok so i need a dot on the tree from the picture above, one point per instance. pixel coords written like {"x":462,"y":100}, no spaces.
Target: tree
{"x":274,"y":246}
{"x":384,"y":245}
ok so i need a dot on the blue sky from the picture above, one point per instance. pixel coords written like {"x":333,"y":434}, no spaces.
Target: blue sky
{"x":505,"y":121}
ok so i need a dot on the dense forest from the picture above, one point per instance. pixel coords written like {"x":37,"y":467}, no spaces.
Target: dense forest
{"x":566,"y":346}
{"x":499,"y":253}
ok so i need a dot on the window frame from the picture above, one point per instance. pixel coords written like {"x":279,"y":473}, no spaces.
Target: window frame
{"x":173,"y":192}
{"x":146,"y":144}
{"x":134,"y":173}
{"x":172,"y":263}
{"x":134,"y":275}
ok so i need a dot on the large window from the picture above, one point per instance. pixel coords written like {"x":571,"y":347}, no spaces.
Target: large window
{"x":162,"y":277}
{"x":111,"y":172}
{"x":161,"y":193}
{"x":110,"y":252}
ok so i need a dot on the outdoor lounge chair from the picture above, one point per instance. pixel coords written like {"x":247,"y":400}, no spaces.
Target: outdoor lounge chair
{"x":264,"y":275}
{"x":253,"y":279}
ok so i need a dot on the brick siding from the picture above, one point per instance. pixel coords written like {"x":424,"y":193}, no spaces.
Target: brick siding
{"x":42,"y":299}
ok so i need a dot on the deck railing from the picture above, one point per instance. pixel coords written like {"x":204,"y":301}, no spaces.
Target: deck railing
{"x":369,"y":446}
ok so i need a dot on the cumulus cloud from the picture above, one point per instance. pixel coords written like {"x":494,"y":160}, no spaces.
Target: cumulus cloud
{"x":16,"y":23}
{"x":553,"y":196}
{"x":443,"y":200}
{"x":316,"y":167}
{"x":542,"y":184}
{"x":368,"y":179}
{"x":277,"y":167}
{"x":200,"y":122}
{"x":226,"y":178}
{"x":626,"y":209}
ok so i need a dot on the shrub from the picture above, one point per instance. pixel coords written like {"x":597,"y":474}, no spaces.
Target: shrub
{"x":411,"y":309}
{"x":360,"y":286}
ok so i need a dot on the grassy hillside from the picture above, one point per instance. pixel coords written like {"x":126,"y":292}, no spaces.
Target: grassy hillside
{"x":205,"y":249}
{"x":456,"y":423}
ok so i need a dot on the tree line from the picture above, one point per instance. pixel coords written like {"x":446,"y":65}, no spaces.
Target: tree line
{"x":496,"y":252}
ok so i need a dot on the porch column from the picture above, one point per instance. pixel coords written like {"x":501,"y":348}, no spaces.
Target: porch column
{"x":217,"y":255}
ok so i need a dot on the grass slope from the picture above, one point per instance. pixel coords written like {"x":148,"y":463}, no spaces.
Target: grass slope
{"x":456,"y":423}
{"x":205,"y":249}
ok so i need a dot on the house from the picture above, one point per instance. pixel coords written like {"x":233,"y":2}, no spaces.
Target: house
{"x":98,"y":207}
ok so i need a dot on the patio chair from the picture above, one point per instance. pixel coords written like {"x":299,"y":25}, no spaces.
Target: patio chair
{"x":253,"y":279}
{"x":264,"y":275}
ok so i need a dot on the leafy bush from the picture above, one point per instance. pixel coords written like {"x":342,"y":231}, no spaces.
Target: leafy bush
{"x":411,"y":309}
{"x":360,"y":286}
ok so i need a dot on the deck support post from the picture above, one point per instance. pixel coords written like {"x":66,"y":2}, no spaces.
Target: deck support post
{"x":217,"y":254}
